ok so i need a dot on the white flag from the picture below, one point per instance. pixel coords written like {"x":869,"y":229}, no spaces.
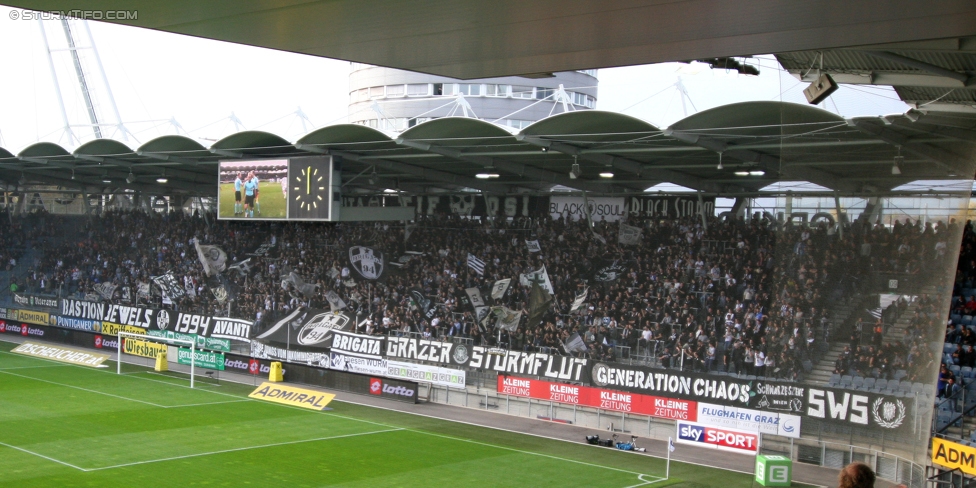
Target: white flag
{"x":629,"y":235}
{"x":533,"y":245}
{"x":335,"y":301}
{"x":539,"y":275}
{"x":578,"y":302}
{"x":213,"y":258}
{"x":499,"y":288}
{"x":670,"y":444}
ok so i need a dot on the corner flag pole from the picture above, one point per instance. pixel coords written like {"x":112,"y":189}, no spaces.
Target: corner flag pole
{"x":667,"y":469}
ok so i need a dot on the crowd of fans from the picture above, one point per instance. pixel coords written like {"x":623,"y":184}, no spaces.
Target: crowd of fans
{"x":742,"y":295}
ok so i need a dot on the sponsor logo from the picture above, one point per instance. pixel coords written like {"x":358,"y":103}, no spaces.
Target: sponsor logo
{"x":725,"y":439}
{"x":162,"y":320}
{"x":3,"y":326}
{"x":953,"y":455}
{"x":144,"y":349}
{"x":62,"y":354}
{"x":98,"y":342}
{"x":78,"y":324}
{"x":375,"y":386}
{"x":113,"y":329}
{"x":23,"y":330}
{"x":253,"y":366}
{"x":367,"y":262}
{"x":320,"y":328}
{"x":290,"y":395}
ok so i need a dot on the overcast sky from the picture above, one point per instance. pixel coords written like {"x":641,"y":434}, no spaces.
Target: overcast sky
{"x":199,"y":83}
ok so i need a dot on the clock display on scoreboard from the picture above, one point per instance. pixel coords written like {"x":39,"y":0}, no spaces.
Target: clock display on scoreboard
{"x":270,"y":189}
{"x":309,"y":188}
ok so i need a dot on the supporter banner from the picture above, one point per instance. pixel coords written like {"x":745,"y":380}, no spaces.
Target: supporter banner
{"x":953,"y":455}
{"x":445,"y":353}
{"x":653,"y":406}
{"x":356,"y":364}
{"x":120,"y":314}
{"x":3,"y":313}
{"x":747,"y":419}
{"x":290,"y":395}
{"x":475,"y":205}
{"x":202,"y":359}
{"x":722,"y":390}
{"x":857,"y":408}
{"x":449,"y":378}
{"x":529,"y":363}
{"x":670,"y":207}
{"x":169,"y":286}
{"x":307,"y":328}
{"x":78,"y":324}
{"x":725,"y":439}
{"x":267,"y":351}
{"x":35,"y":301}
{"x":364,"y":346}
{"x":610,"y":209}
{"x":30,"y":317}
{"x":144,"y":349}
{"x":113,"y":329}
{"x":159,"y":319}
{"x":228,"y":328}
{"x":426,"y":305}
{"x":23,"y":330}
{"x":62,"y":354}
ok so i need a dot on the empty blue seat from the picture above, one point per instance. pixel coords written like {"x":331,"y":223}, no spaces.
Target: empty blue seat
{"x":834,"y":380}
{"x":901,"y":373}
{"x":967,"y":372}
{"x":846,"y":381}
{"x":857,"y":381}
{"x":955,"y":369}
{"x":881,"y":384}
{"x":869,"y":383}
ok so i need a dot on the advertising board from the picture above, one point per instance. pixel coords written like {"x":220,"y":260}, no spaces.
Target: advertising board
{"x":202,"y":359}
{"x":659,"y":407}
{"x":725,"y":439}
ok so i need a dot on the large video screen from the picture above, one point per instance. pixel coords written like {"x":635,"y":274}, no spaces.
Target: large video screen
{"x":276,"y":189}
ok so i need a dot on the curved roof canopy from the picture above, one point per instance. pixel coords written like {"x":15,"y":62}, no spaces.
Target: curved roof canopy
{"x":731,"y":149}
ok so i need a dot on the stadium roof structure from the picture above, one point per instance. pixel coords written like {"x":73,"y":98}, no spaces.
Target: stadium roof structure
{"x":758,"y":143}
{"x":473,"y":39}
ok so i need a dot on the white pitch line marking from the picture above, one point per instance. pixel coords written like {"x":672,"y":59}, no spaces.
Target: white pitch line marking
{"x":34,"y":367}
{"x":84,"y":389}
{"x":43,"y":456}
{"x":645,"y":481}
{"x":242,"y":449}
{"x":208,"y":403}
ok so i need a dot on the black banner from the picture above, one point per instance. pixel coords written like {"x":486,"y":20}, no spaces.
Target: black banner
{"x":158,"y":319}
{"x":426,"y":305}
{"x":858,"y":408}
{"x":441,"y":353}
{"x":307,"y":328}
{"x":529,"y":363}
{"x":721,"y":390}
{"x":607,"y":270}
{"x":475,"y":205}
{"x":363,"y":346}
{"x":669,"y":207}
{"x":46,"y":303}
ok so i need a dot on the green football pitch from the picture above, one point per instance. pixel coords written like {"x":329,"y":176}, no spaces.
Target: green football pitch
{"x":63,"y":425}
{"x":271,"y":198}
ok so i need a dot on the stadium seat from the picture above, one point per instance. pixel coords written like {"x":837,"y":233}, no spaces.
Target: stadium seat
{"x":955,"y":369}
{"x":881,"y":384}
{"x":869,"y":383}
{"x":905,"y":385}
{"x":834,"y":380}
{"x":967,"y":320}
{"x":917,"y":388}
{"x":857,"y":382}
{"x":948,"y":348}
{"x":846,"y":381}
{"x":967,"y":372}
{"x":901,"y":373}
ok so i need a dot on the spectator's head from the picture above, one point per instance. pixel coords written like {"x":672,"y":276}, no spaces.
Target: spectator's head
{"x":856,"y":475}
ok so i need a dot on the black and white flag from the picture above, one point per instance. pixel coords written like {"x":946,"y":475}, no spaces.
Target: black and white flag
{"x":143,"y":289}
{"x":541,"y":276}
{"x":476,"y":264}
{"x":499,"y":288}
{"x":127,"y":294}
{"x":367,"y":262}
{"x":574,"y":344}
{"x":213,"y":258}
{"x":629,"y":235}
{"x":335,"y":301}
{"x":506,"y":318}
{"x":243,"y":267}
{"x":168,"y":285}
{"x":533,"y":245}
{"x":306,"y":289}
{"x":424,"y":304}
{"x":579,"y":301}
{"x":105,"y":289}
{"x":474,"y":295}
